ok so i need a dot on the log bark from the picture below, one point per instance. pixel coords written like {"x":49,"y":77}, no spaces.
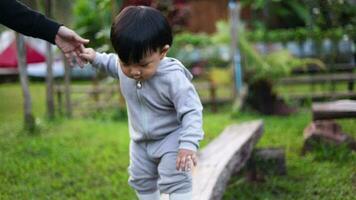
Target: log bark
{"x":326,"y":132}
{"x":267,"y":161}
{"x":262,"y":98}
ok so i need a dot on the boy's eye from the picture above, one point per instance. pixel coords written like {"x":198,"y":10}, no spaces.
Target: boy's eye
{"x":144,"y":65}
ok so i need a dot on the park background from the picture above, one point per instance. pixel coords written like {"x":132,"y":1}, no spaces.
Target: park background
{"x":73,"y":143}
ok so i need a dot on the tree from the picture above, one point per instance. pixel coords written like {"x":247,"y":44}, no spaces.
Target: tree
{"x":49,"y":74}
{"x":21,"y":54}
{"x":68,"y":103}
{"x":93,"y":21}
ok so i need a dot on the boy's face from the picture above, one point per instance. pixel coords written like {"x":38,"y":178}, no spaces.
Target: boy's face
{"x":146,"y":68}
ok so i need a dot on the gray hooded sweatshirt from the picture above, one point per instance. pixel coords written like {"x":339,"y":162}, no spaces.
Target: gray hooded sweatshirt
{"x":161,"y":105}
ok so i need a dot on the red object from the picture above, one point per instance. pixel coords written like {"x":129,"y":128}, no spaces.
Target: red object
{"x":8,"y":58}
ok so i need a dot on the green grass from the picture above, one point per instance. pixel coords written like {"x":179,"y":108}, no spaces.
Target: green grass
{"x":329,"y":173}
{"x":87,"y":158}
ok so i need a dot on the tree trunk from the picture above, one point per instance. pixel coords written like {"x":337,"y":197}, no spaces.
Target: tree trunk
{"x":21,"y":57}
{"x":266,"y":162}
{"x":49,"y":75}
{"x":263,"y":99}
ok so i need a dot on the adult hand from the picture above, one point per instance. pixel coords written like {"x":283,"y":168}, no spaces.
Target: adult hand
{"x":71,"y":44}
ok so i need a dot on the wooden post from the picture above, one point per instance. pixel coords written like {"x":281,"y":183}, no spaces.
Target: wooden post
{"x":95,"y":92}
{"x":49,"y":74}
{"x":212,"y":88}
{"x":59,"y":100}
{"x":21,"y":57}
{"x":67,"y":92}
{"x":333,"y":67}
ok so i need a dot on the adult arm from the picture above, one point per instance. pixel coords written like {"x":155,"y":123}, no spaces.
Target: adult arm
{"x":22,"y":19}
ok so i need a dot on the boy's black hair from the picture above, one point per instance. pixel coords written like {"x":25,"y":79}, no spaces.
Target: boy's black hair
{"x":139,"y":30}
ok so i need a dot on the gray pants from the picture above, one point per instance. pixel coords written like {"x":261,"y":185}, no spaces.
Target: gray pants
{"x":153,"y":167}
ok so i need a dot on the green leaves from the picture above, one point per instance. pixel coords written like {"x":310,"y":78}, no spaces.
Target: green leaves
{"x":271,"y":66}
{"x":92,"y":20}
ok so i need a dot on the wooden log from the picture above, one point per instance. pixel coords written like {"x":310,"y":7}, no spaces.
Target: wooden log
{"x":222,"y":157}
{"x":326,"y":132}
{"x":334,"y":109}
{"x":212,"y":91}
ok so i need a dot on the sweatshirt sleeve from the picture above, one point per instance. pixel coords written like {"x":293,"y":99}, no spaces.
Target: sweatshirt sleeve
{"x":189,"y":111}
{"x":22,"y":19}
{"x":107,"y":62}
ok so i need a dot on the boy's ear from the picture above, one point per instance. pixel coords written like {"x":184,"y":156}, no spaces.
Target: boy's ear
{"x":164,"y":51}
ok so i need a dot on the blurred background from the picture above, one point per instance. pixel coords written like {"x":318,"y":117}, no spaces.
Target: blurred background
{"x":251,"y":59}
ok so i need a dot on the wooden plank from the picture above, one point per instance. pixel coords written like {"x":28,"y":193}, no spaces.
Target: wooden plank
{"x":334,"y":109}
{"x":320,"y":96}
{"x":222,"y":157}
{"x":341,"y":66}
{"x":335,"y":67}
{"x":319,"y":78}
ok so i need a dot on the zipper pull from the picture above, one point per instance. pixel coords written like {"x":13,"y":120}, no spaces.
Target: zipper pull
{"x":139,"y":85}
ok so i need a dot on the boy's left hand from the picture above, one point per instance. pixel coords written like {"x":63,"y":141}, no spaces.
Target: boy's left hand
{"x":186,"y":159}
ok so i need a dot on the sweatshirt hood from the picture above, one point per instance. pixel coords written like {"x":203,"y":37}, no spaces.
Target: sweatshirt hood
{"x":170,"y":64}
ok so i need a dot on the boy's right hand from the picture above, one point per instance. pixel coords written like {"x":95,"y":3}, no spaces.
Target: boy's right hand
{"x":88,"y":54}
{"x":186,"y":160}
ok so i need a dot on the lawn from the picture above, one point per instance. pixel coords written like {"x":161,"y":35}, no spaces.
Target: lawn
{"x":87,"y":158}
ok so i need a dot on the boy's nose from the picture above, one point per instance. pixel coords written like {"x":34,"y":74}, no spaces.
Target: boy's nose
{"x":135,"y":72}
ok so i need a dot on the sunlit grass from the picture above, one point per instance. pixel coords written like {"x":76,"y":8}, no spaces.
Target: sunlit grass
{"x":87,"y":158}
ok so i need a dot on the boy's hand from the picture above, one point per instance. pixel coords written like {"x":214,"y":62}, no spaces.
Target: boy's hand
{"x":88,"y":54}
{"x":186,"y":159}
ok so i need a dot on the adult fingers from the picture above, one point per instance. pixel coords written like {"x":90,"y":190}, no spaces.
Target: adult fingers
{"x":69,"y":59}
{"x":80,"y":61}
{"x":69,"y":34}
{"x":77,"y":60}
{"x":79,"y":51}
{"x":81,"y":48}
{"x":80,"y":39}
